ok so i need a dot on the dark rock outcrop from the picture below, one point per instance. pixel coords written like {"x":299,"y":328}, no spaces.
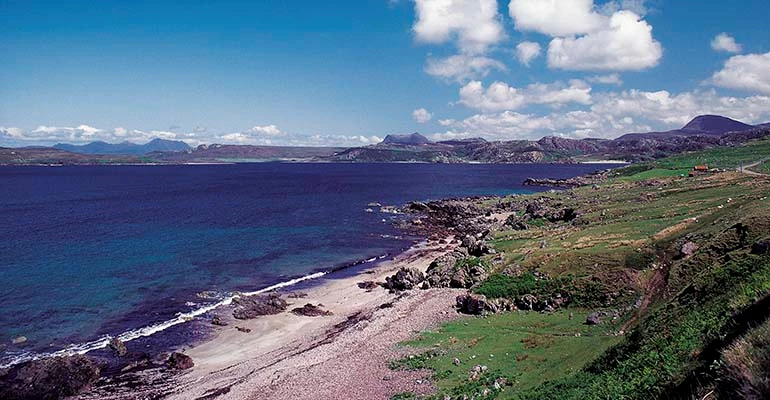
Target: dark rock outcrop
{"x":310,"y":310}
{"x":404,"y":279}
{"x":473,"y":305}
{"x":254,"y":306}
{"x":179,"y":361}
{"x":445,"y":271}
{"x":761,"y":247}
{"x":49,"y":378}
{"x":118,"y":347}
{"x":368,"y":285}
{"x":475,"y":246}
{"x":217,"y":320}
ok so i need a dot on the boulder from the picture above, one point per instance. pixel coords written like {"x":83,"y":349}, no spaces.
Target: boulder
{"x":688,"y":249}
{"x":49,"y":378}
{"x":118,"y":347}
{"x":445,"y":272}
{"x":761,"y":247}
{"x":310,"y":310}
{"x":217,"y":320}
{"x":475,"y":247}
{"x":254,"y":306}
{"x":404,"y":279}
{"x":368,"y":285}
{"x":179,"y":361}
{"x":473,"y":305}
{"x":594,"y":318}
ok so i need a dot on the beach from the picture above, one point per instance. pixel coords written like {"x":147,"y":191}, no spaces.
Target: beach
{"x":287,"y":356}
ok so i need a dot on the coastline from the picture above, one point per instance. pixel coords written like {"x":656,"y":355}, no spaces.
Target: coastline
{"x":288,"y":356}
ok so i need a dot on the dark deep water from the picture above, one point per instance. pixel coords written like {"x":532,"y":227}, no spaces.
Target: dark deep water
{"x":103,"y":250}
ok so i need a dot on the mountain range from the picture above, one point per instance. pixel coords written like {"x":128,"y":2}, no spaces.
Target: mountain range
{"x":702,"y":132}
{"x":125,"y":148}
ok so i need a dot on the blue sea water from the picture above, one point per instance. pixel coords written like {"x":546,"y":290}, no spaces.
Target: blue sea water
{"x":90,"y":251}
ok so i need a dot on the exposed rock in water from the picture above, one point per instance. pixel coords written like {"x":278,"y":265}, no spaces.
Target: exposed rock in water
{"x":254,"y":306}
{"x":404,"y":279}
{"x":118,"y":347}
{"x":49,"y":378}
{"x":761,"y":247}
{"x":19,"y":340}
{"x":310,"y":310}
{"x":179,"y":361}
{"x":473,"y":305}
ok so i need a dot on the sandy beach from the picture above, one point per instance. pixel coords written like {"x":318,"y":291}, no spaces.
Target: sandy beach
{"x":342,"y":356}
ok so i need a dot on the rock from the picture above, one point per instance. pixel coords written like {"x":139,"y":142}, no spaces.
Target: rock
{"x":19,"y":340}
{"x":476,"y":371}
{"x":594,"y":318}
{"x":217,"y":320}
{"x":475,"y":247}
{"x":445,"y":272}
{"x":117,"y":346}
{"x":761,"y":247}
{"x":688,"y":249}
{"x":526,"y":302}
{"x":310,"y":310}
{"x":472,"y":305}
{"x":244,"y":330}
{"x":404,"y":279}
{"x":179,"y":361}
{"x":49,"y":378}
{"x":368,"y":285}
{"x":456,"y":361}
{"x":297,"y":295}
{"x":254,"y":306}
{"x":418,"y":206}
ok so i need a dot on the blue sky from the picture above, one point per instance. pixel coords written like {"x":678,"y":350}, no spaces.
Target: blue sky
{"x":350,"y":72}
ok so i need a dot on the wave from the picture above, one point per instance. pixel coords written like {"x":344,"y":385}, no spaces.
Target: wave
{"x":102,"y":342}
{"x":180,"y":318}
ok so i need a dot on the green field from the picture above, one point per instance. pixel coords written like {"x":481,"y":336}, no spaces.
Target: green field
{"x":623,"y":249}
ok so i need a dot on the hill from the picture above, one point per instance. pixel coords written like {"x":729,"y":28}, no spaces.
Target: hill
{"x":702,"y":132}
{"x":125,"y":148}
{"x":246,"y":153}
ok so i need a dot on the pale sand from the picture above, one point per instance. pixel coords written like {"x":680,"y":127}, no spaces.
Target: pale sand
{"x":287,"y":356}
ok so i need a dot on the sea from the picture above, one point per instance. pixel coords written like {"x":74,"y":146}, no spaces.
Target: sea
{"x":137,"y":252}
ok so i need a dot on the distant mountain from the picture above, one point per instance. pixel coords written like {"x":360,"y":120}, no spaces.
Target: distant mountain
{"x":125,"y":148}
{"x":413,"y":139}
{"x":51,"y":156}
{"x":246,"y":153}
{"x":702,"y":132}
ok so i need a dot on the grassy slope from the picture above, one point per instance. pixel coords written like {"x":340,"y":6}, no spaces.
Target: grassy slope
{"x":634,"y":227}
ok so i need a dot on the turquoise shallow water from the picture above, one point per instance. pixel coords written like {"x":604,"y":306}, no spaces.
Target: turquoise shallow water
{"x":93,"y":251}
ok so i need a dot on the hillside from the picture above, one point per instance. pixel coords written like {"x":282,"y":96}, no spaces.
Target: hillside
{"x":51,"y":156}
{"x":245,"y":153}
{"x":125,"y":148}
{"x":701,"y":133}
{"x":650,"y":285}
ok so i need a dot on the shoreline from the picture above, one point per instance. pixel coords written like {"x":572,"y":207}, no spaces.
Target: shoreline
{"x":231,"y":364}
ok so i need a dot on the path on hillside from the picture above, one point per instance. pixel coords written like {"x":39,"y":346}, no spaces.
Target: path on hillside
{"x":745,"y":169}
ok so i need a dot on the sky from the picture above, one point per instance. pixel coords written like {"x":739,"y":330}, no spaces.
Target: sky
{"x":347,"y":73}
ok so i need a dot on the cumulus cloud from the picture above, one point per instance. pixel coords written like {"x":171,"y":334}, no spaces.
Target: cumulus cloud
{"x":474,"y":24}
{"x":11,"y":132}
{"x":421,"y":115}
{"x":527,"y":51}
{"x":611,"y":115}
{"x":726,"y":43}
{"x":626,"y":43}
{"x":267,"y":130}
{"x":460,"y":68}
{"x":750,"y":72}
{"x":611,"y":79}
{"x":45,"y":135}
{"x":555,"y":17}
{"x":500,"y":96}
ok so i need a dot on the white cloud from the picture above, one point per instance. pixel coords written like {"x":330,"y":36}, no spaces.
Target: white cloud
{"x":527,"y":51}
{"x":726,"y":43}
{"x":750,"y":72}
{"x":446,"y":122}
{"x":267,"y":130}
{"x":460,"y":68}
{"x":637,"y":6}
{"x":11,"y":132}
{"x":611,"y":115}
{"x":474,"y":24}
{"x":626,"y":43}
{"x":555,"y":17}
{"x":500,"y":96}
{"x":421,"y":115}
{"x":611,"y":79}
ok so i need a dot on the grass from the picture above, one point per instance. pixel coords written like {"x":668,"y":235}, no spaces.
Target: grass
{"x":526,"y":348}
{"x":631,"y":230}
